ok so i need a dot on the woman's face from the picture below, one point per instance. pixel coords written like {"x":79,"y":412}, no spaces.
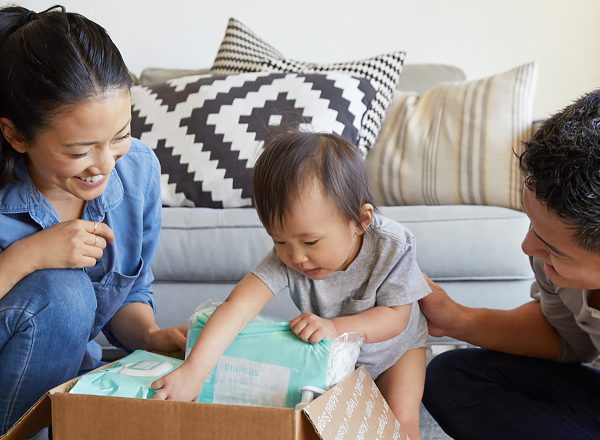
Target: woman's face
{"x":75,"y":155}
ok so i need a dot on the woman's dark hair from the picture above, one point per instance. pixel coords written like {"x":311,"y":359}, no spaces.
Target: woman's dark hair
{"x":49,"y":60}
{"x":561,"y":165}
{"x":292,"y":158}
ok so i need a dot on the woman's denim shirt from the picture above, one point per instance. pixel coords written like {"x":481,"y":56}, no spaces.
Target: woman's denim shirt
{"x":130,"y":205}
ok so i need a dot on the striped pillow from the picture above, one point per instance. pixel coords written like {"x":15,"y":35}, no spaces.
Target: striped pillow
{"x":456,"y":144}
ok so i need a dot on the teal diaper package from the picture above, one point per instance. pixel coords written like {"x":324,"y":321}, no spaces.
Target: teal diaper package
{"x":131,"y":376}
{"x":266,"y":364}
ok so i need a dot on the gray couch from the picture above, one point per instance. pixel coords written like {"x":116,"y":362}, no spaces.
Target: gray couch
{"x":473,"y":251}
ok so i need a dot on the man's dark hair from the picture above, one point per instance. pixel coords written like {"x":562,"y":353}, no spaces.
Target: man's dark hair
{"x":561,"y":165}
{"x":292,"y":158}
{"x":50,"y":60}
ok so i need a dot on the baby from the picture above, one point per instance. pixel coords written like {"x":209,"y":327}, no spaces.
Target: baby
{"x":348,"y":269}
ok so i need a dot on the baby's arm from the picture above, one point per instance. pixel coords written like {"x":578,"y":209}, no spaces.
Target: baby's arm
{"x":377,"y":324}
{"x":245,"y":301}
{"x":402,"y":387}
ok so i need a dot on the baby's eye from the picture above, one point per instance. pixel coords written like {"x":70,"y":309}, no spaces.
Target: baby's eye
{"x":278,"y":242}
{"x":311,"y":243}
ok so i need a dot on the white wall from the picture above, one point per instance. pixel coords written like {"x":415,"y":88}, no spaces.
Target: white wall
{"x":482,"y":37}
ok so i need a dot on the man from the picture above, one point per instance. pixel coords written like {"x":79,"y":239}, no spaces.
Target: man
{"x":528,"y":381}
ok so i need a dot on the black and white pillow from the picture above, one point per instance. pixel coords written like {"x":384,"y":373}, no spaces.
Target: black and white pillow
{"x":243,"y":51}
{"x":208,"y":130}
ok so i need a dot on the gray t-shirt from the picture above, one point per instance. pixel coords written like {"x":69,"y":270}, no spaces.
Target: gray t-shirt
{"x":577,"y":324}
{"x":384,"y":273}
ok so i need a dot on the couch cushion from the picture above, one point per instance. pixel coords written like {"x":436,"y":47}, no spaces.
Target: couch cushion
{"x":454,"y":243}
{"x":152,"y":76}
{"x":243,"y":51}
{"x":415,"y":77}
{"x":420,"y":77}
{"x":455,"y":144}
{"x":208,"y":131}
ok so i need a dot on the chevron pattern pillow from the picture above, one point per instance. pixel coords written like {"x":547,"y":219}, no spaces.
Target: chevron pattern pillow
{"x":208,"y":130}
{"x":243,"y":51}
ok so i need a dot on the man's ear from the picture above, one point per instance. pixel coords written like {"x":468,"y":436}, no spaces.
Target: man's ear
{"x":366,"y":217}
{"x":12,"y":135}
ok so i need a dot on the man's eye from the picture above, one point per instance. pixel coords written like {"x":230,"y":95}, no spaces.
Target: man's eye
{"x":311,"y":243}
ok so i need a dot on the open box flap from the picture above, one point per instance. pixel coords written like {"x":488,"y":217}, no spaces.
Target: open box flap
{"x":353,"y":409}
{"x":35,"y":418}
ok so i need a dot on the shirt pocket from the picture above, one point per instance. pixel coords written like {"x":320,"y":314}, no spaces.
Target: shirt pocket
{"x":112,"y":292}
{"x":352,"y":306}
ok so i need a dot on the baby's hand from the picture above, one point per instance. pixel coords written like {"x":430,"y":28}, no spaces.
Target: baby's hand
{"x":312,"y":328}
{"x":182,"y":384}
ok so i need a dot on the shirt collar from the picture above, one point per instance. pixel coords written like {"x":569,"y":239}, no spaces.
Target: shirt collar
{"x":109,"y":199}
{"x":23,"y":196}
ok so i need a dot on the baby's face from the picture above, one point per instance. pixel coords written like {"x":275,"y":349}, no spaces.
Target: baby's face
{"x":316,"y":239}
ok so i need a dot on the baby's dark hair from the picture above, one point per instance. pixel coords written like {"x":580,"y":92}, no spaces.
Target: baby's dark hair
{"x":292,"y":158}
{"x":50,"y":60}
{"x":561,"y":164}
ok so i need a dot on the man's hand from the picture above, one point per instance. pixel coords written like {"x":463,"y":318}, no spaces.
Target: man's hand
{"x":312,"y":328}
{"x":182,"y":384}
{"x":442,"y":313}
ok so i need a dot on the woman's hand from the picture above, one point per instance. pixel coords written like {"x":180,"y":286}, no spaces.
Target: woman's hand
{"x":312,"y":328}
{"x":167,"y":340}
{"x":182,"y":384}
{"x":442,"y":313}
{"x":71,"y":244}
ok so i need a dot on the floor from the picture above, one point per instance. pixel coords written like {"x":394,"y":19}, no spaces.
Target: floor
{"x":430,"y":430}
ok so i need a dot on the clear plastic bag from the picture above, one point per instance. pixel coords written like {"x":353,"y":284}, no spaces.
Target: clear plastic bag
{"x":267,"y":364}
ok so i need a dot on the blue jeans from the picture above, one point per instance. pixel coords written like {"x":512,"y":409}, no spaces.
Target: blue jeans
{"x":481,"y":394}
{"x":45,"y":324}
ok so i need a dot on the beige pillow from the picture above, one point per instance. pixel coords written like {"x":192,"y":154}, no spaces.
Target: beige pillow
{"x":456,"y":143}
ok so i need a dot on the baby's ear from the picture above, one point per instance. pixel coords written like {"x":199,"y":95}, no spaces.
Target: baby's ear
{"x":366,"y":216}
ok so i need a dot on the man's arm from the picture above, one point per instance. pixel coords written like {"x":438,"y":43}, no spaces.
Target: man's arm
{"x":522,"y":331}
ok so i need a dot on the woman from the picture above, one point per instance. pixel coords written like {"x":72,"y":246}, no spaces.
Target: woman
{"x":79,"y":207}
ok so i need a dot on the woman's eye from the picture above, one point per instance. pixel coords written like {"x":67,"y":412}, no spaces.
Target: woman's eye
{"x":77,"y":156}
{"x":122,"y":138}
{"x":311,"y":243}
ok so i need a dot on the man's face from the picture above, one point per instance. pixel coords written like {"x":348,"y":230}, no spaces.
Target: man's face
{"x":552,"y":240}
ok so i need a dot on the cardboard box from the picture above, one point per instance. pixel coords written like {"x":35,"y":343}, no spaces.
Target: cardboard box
{"x":353,"y":409}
